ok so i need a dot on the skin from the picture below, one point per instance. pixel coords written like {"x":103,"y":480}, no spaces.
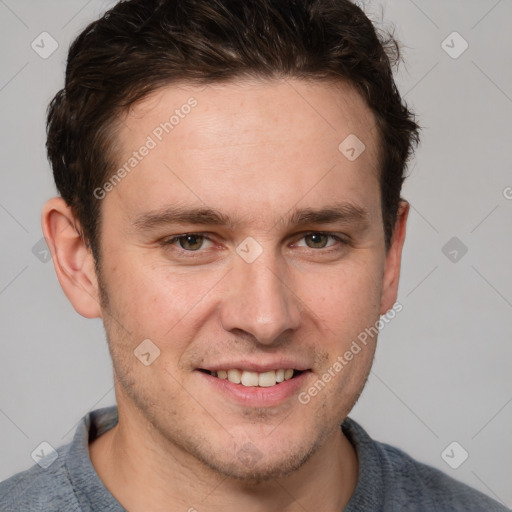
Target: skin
{"x":256,"y":151}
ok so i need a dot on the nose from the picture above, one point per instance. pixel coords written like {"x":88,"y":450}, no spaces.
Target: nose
{"x":260,"y":301}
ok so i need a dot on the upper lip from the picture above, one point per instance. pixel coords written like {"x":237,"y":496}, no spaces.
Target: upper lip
{"x":260,"y":367}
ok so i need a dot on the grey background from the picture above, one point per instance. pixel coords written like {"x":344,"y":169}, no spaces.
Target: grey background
{"x":442,"y":370}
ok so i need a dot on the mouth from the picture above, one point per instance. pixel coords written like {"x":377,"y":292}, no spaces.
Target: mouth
{"x":247,"y":378}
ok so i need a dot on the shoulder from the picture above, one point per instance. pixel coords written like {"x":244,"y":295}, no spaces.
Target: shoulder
{"x":63,"y":480}
{"x":38,"y":489}
{"x":390,"y":479}
{"x":423,"y":483}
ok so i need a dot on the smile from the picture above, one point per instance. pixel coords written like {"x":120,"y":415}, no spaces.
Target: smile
{"x":255,"y":379}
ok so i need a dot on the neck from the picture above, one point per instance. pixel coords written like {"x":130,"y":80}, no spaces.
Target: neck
{"x":144,"y":472}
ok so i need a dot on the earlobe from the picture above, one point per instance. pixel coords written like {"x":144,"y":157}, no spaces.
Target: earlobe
{"x":391,"y":276}
{"x":72,"y":259}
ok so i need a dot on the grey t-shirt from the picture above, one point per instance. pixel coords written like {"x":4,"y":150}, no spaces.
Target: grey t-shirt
{"x":389,"y":480}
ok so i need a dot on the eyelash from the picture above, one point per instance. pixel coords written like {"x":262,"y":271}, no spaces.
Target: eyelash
{"x":173,"y":240}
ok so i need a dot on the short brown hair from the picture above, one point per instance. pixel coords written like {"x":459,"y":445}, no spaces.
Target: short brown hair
{"x":139,"y":46}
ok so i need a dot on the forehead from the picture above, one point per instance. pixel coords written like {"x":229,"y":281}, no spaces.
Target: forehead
{"x":271,"y":143}
{"x":249,"y":109}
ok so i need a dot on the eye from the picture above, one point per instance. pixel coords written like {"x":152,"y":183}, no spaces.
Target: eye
{"x":319,"y":240}
{"x":190,"y":242}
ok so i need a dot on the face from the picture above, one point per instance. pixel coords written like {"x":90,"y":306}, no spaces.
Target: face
{"x":243,"y":242}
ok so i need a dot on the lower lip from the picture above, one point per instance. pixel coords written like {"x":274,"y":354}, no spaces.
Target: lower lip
{"x":255,"y":396}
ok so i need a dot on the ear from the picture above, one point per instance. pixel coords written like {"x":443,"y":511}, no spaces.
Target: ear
{"x":391,"y":275}
{"x":72,"y":259}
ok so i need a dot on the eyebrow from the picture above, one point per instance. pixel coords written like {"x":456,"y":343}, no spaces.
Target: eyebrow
{"x":342,"y":212}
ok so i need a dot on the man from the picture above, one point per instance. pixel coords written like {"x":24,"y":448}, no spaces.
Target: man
{"x":229,"y":178}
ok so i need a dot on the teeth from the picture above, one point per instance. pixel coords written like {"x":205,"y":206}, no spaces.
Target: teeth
{"x":267,"y":379}
{"x":249,"y":378}
{"x":253,"y":379}
{"x":235,"y":376}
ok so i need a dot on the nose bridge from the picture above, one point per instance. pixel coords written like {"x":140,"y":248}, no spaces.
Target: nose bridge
{"x":259,"y":301}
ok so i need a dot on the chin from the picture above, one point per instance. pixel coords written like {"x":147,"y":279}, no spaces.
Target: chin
{"x":253,"y":466}
{"x":262,"y":470}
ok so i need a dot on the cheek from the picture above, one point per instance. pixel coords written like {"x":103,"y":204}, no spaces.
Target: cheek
{"x":345,"y":299}
{"x":154,"y":299}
